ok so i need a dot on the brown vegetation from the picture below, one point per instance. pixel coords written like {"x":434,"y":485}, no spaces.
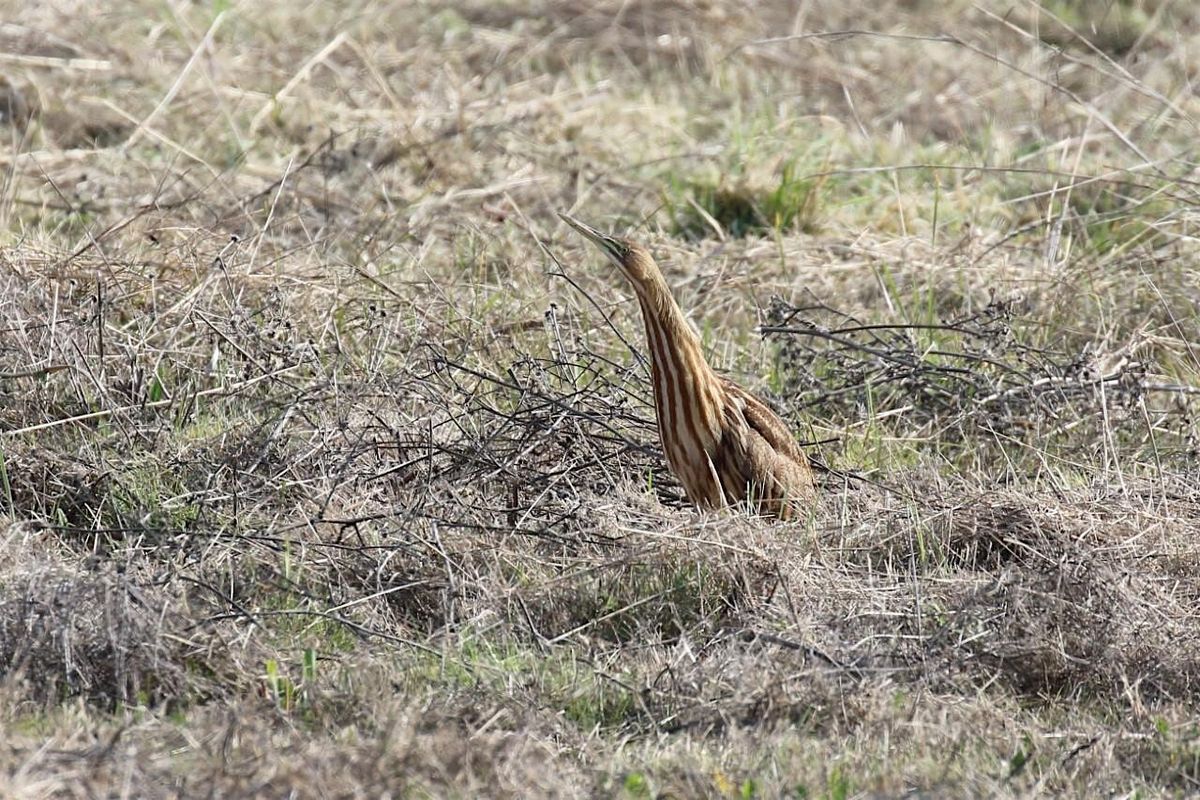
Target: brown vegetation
{"x":328,"y":466}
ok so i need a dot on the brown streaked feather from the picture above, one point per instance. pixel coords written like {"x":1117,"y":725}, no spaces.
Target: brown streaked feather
{"x":767,"y":424}
{"x":761,"y":459}
{"x":724,"y":444}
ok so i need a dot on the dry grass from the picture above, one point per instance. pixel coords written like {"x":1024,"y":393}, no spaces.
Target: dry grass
{"x":327,"y":460}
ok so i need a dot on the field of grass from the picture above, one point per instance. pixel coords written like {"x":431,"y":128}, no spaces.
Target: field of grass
{"x":328,"y":463}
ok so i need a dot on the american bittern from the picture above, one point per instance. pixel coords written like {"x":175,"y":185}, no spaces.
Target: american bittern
{"x":723,"y":443}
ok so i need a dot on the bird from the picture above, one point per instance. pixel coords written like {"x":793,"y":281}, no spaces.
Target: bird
{"x":726,"y":446}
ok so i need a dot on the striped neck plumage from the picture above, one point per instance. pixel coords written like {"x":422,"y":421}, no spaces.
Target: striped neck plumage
{"x":688,"y":395}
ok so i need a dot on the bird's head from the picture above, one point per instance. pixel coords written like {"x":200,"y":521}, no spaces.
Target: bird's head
{"x":631,"y":258}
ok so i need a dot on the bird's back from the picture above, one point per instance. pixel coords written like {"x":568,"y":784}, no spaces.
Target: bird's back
{"x":759,"y":460}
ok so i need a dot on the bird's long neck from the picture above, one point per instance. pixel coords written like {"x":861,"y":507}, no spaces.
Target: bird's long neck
{"x":687,"y":393}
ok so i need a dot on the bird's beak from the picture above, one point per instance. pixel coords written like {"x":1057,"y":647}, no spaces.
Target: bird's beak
{"x":609,"y":245}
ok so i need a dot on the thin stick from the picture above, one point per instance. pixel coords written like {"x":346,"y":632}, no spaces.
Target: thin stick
{"x":106,"y":412}
{"x":301,"y":75}
{"x":83,"y":64}
{"x":205,"y":43}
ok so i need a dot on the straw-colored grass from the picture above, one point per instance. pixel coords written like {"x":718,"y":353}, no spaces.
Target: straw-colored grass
{"x":327,"y":460}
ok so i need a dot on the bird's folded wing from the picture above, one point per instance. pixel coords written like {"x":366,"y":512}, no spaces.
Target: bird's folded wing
{"x":763,"y":421}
